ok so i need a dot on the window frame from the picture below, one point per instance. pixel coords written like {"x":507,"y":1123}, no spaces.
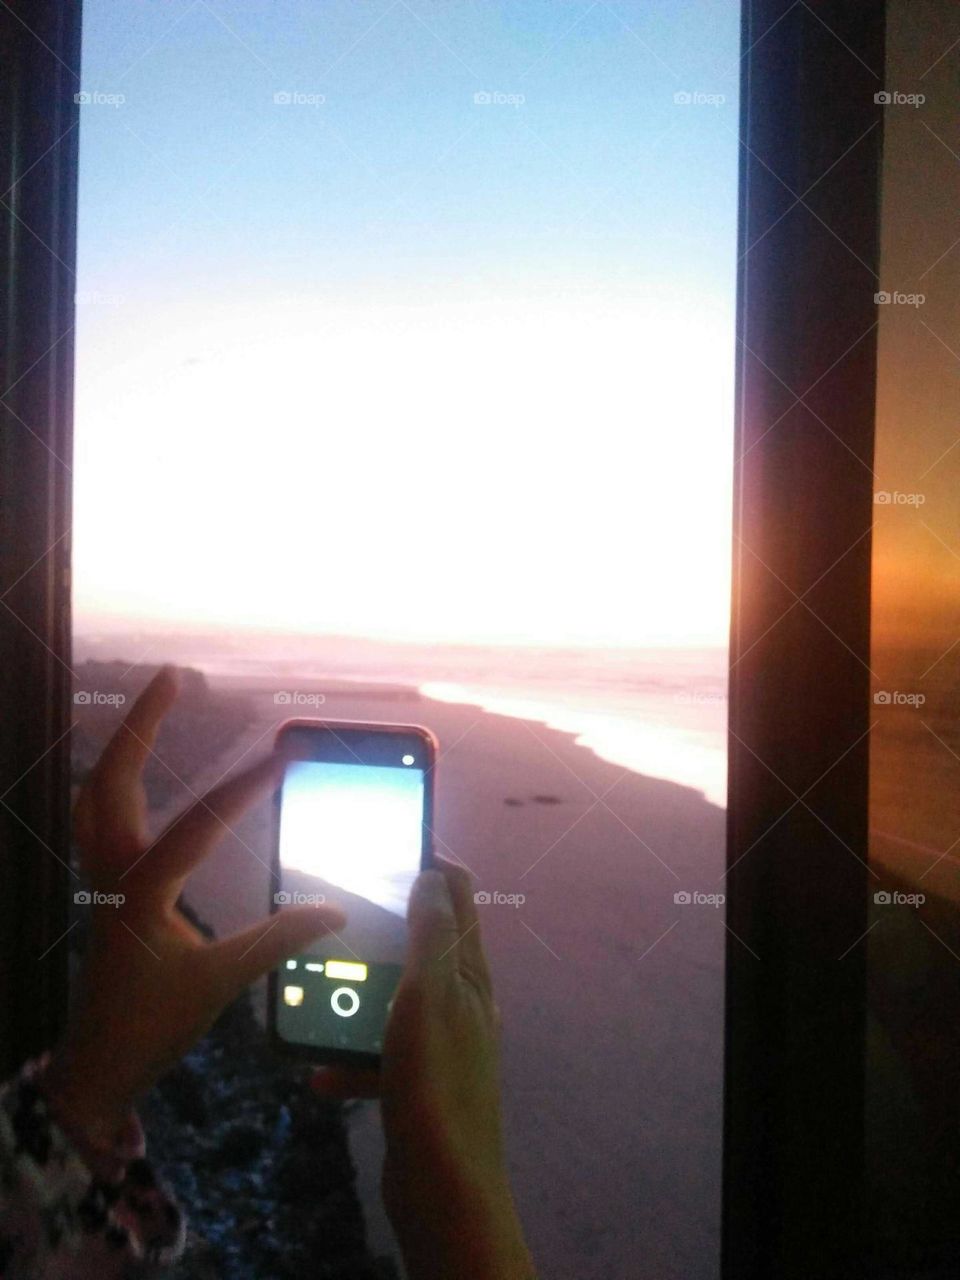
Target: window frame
{"x":799,"y":722}
{"x":799,"y":692}
{"x":38,"y":216}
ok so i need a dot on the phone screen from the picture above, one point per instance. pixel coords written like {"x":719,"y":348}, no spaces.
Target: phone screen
{"x":351,"y":830}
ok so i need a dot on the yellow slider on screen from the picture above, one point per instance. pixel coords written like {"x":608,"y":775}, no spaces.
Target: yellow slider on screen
{"x":347,"y":970}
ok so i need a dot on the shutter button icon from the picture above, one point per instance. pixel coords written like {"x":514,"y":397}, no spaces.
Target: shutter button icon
{"x":345,"y":1002}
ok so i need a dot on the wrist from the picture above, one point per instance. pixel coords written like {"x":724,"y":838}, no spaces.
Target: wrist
{"x":459,"y":1228}
{"x":103,"y":1127}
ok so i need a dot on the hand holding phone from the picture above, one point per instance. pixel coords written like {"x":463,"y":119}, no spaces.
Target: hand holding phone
{"x":445,"y":1181}
{"x":354,"y":817}
{"x":150,"y":983}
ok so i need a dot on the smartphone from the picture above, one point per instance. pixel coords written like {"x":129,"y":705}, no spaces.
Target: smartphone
{"x":354,"y":822}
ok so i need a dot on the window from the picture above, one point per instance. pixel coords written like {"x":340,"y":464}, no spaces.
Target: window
{"x":824,"y":1019}
{"x":416,"y":323}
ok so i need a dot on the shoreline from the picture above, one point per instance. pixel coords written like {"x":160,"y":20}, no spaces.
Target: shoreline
{"x":646,"y":736}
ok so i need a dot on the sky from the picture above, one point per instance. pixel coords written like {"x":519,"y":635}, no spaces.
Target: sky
{"x":411,"y":320}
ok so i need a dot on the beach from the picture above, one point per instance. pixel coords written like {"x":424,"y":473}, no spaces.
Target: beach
{"x":611,"y":991}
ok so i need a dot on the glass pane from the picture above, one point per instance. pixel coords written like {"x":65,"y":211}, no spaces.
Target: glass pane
{"x":405,"y":355}
{"x":914,"y":936}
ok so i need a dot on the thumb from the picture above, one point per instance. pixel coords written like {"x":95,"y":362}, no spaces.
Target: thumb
{"x":432,"y":922}
{"x":255,"y":951}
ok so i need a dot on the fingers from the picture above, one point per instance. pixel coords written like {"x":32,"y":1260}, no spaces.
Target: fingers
{"x":346,"y":1082}
{"x":190,"y":837}
{"x":250,"y":954}
{"x":444,"y":927}
{"x":109,"y":807}
{"x":126,"y":753}
{"x":433,"y":928}
{"x":470,"y":954}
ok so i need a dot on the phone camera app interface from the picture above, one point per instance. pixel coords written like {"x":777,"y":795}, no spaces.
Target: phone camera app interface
{"x":350,"y":834}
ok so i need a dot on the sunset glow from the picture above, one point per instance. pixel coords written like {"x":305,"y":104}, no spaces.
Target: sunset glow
{"x":399,"y":359}
{"x":492,"y":473}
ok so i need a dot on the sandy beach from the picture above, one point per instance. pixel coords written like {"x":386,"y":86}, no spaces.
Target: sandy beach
{"x":611,"y":991}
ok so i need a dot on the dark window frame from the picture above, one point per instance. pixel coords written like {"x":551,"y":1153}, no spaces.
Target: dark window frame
{"x":39,"y":76}
{"x":797,"y":850}
{"x":799,"y":696}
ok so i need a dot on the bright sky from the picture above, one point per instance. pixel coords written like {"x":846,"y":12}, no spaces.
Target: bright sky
{"x":396,"y":362}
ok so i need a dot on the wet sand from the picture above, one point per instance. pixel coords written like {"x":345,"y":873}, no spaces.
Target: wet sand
{"x":611,"y":992}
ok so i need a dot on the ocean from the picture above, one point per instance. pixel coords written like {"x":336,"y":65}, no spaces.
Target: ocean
{"x":658,"y":712}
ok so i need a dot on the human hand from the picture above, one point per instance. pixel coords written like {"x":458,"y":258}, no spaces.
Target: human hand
{"x":445,"y":1184}
{"x":151,"y":984}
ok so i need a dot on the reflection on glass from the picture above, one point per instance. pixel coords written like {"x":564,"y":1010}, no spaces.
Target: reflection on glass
{"x":914,"y":937}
